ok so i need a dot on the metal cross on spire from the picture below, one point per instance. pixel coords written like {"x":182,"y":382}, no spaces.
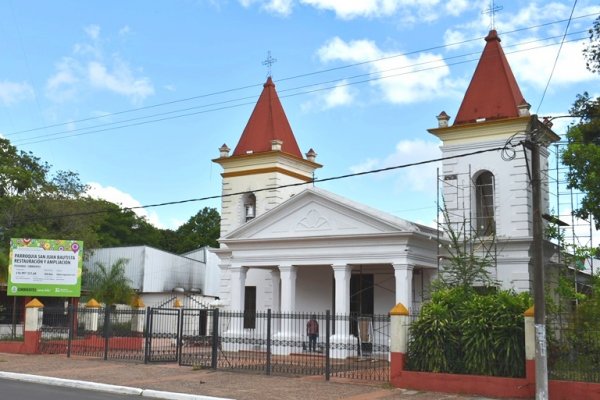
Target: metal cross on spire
{"x":491,"y":10}
{"x":269,"y":62}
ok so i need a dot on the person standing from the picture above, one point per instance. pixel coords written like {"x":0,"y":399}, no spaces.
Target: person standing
{"x":312,"y":331}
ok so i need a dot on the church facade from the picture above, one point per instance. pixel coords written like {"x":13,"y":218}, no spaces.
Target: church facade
{"x":291,"y":247}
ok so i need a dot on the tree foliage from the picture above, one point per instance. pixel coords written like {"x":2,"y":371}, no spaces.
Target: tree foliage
{"x":110,"y":285}
{"x":37,"y":203}
{"x":592,"y":51}
{"x":203,"y":229}
{"x":461,"y":331}
{"x":469,"y":256}
{"x":582,"y":156}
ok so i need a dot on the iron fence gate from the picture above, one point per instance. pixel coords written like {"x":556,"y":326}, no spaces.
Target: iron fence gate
{"x":345,"y":346}
{"x":163,"y":338}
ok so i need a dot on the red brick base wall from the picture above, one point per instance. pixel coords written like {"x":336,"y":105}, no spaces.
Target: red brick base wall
{"x":29,"y":345}
{"x":523,"y":388}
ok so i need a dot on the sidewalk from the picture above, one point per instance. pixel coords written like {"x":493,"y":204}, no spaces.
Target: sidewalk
{"x":174,"y":378}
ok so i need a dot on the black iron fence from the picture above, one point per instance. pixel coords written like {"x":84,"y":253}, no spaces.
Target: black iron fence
{"x":11,"y":323}
{"x":109,"y":333}
{"x":573,"y":349}
{"x":347,"y":346}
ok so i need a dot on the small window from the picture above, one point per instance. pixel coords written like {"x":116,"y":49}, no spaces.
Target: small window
{"x":484,"y":204}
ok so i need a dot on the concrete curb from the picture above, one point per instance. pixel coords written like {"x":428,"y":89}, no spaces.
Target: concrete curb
{"x":103,"y":387}
{"x":156,"y":394}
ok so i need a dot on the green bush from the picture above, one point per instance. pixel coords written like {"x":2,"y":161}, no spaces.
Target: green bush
{"x":461,"y":331}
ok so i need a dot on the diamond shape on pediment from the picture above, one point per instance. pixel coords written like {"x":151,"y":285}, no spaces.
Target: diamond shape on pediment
{"x":313,"y":220}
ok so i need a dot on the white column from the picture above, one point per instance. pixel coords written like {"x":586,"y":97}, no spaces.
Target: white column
{"x":275,"y":282}
{"x":344,"y":344}
{"x":288,"y":337}
{"x":404,"y":277}
{"x":341,"y":275}
{"x":238,"y":284}
{"x":288,"y":288}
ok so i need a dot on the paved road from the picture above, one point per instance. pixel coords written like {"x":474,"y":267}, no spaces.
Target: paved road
{"x":31,"y":391}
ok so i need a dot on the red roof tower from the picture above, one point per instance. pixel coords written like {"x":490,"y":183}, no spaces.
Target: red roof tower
{"x":493,"y":92}
{"x":268,"y":122}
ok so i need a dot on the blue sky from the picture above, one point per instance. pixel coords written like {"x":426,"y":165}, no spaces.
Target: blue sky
{"x":87,"y":67}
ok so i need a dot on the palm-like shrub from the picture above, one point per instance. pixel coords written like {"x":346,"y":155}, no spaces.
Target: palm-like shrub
{"x":110,"y":285}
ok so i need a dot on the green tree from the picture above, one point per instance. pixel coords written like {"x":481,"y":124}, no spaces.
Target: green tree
{"x":203,"y":229}
{"x":469,"y":256}
{"x":592,"y":51}
{"x":119,"y":227}
{"x":36,"y":203}
{"x":110,"y":285}
{"x":3,"y":266}
{"x":582,"y":156}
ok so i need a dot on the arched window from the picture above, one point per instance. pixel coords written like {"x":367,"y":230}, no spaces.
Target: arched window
{"x":484,"y":204}
{"x":249,"y":206}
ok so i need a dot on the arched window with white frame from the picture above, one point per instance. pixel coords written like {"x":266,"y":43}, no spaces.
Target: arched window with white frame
{"x":485,"y":222}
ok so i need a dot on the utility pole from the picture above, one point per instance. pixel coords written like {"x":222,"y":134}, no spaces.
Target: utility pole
{"x":532,"y":142}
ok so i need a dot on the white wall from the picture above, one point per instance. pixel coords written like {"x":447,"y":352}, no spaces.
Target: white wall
{"x":152,"y":270}
{"x":314,"y":286}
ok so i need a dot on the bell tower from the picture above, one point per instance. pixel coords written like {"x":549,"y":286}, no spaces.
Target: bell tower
{"x":266,"y":165}
{"x":489,"y":193}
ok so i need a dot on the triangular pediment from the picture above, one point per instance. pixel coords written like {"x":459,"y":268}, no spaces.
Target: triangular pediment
{"x":316,"y":213}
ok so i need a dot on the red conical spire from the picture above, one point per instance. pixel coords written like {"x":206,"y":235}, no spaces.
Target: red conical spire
{"x":493,"y":92}
{"x":268,"y":122}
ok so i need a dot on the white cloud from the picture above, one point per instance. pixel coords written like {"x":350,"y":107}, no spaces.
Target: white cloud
{"x":119,"y":80}
{"x":114,"y":195}
{"x":278,"y":7}
{"x":338,"y":96}
{"x":281,"y":7}
{"x":420,"y":178}
{"x":533,"y":66}
{"x":408,"y":11}
{"x":402,"y":79}
{"x":126,"y":30}
{"x":88,"y":69}
{"x":351,"y":9}
{"x":93,"y":31}
{"x":367,"y":165}
{"x":457,"y":7}
{"x":63,"y":84}
{"x":13,"y":92}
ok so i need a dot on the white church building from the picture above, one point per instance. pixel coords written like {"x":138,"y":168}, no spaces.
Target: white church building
{"x":291,"y":247}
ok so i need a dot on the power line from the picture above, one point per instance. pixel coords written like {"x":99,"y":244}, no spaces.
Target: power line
{"x":355,"y":174}
{"x":557,"y":56}
{"x":284,"y":79}
{"x":145,"y":119}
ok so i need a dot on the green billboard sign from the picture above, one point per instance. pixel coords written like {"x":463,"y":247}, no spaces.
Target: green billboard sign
{"x":45,"y":267}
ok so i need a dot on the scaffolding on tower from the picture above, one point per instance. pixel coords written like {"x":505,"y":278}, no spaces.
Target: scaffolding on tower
{"x":563,"y":200}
